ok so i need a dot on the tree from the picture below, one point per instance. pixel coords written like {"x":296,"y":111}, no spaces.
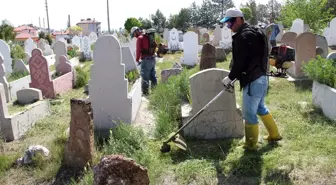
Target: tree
{"x":207,"y":14}
{"x":7,"y":31}
{"x":159,"y":20}
{"x":247,"y":13}
{"x":184,"y":19}
{"x":273,"y":9}
{"x":75,"y":30}
{"x":253,"y":7}
{"x":331,"y":5}
{"x":262,"y":14}
{"x":222,"y":6}
{"x":312,"y":12}
{"x":130,"y":22}
{"x":172,"y":21}
{"x":146,"y":23}
{"x":195,"y":14}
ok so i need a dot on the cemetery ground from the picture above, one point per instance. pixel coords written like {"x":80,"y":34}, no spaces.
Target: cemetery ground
{"x":306,"y":155}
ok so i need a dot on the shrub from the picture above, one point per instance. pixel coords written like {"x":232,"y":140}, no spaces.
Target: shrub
{"x":128,"y":140}
{"x":321,"y":70}
{"x":17,"y":52}
{"x":82,"y":76}
{"x":132,"y":75}
{"x":165,"y":101}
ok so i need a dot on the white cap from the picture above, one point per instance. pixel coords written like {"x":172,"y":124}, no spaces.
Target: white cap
{"x":133,"y":29}
{"x":232,"y":12}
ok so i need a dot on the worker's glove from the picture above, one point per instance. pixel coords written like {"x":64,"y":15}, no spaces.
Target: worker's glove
{"x":226,"y":81}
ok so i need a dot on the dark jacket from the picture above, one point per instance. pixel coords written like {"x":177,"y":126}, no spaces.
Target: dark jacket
{"x":249,"y":55}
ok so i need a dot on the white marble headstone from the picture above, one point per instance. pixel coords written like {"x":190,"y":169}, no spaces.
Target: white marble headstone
{"x":190,"y":53}
{"x":59,"y":50}
{"x":5,"y":51}
{"x":29,"y":45}
{"x":173,"y":43}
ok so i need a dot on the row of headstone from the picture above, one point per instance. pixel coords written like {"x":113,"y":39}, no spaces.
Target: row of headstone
{"x":299,"y":27}
{"x":84,"y":43}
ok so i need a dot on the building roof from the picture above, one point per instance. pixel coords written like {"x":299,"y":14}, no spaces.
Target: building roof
{"x":88,"y":21}
{"x":25,"y":36}
{"x":24,"y":27}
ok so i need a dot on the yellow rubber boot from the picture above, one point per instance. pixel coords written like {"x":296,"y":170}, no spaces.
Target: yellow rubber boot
{"x":251,"y":136}
{"x":273,"y":133}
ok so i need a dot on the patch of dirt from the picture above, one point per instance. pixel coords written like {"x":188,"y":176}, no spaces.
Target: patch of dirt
{"x":145,"y":118}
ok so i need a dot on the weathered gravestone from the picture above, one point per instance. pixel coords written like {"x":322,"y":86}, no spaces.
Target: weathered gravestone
{"x":3,"y":79}
{"x":128,"y":59}
{"x":19,"y":66}
{"x":221,"y":119}
{"x":297,"y":26}
{"x":322,"y":46}
{"x":79,"y":148}
{"x":29,"y":45}
{"x":76,"y":41}
{"x":108,"y":69}
{"x":7,"y":60}
{"x":190,"y":53}
{"x":29,"y":95}
{"x":220,"y":54}
{"x":119,"y":170}
{"x":64,"y":66}
{"x":86,"y":47}
{"x":59,"y":50}
{"x":332,"y":56}
{"x":196,"y":30}
{"x":206,"y":37}
{"x":166,"y":73}
{"x":40,"y":44}
{"x":332,"y":32}
{"x":93,"y":37}
{"x":39,"y":73}
{"x":305,"y":50}
{"x":217,"y":35}
{"x":289,"y":38}
{"x":173,"y":43}
{"x":208,"y":57}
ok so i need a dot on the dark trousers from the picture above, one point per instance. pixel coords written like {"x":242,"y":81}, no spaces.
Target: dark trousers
{"x":148,"y":73}
{"x":273,"y":43}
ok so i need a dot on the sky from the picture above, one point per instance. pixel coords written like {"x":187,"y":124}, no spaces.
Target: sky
{"x":20,"y":12}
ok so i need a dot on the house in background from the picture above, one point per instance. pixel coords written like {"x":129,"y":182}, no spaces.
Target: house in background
{"x":25,"y":32}
{"x":61,"y":34}
{"x":90,"y":25}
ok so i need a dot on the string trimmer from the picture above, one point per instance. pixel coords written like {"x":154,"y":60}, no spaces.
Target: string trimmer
{"x":176,"y":138}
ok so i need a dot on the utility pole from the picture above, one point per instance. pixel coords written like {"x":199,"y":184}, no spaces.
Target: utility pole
{"x":40,"y":22}
{"x":46,"y":5}
{"x":108,"y":17}
{"x":222,"y":8}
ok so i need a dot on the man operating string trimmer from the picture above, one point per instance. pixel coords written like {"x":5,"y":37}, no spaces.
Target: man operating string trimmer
{"x":250,"y":56}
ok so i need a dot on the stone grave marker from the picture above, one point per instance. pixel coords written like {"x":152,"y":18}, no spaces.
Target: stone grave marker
{"x":41,"y":44}
{"x":332,"y":56}
{"x":173,"y":42}
{"x":3,"y":80}
{"x":133,"y":46}
{"x":27,"y":56}
{"x":226,"y":41}
{"x":217,"y":35}
{"x":305,"y":50}
{"x":19,"y":66}
{"x":5,"y":51}
{"x":76,"y":41}
{"x":64,"y":66}
{"x":306,"y":28}
{"x":93,"y":37}
{"x":79,"y":150}
{"x":128,"y":59}
{"x":208,"y":57}
{"x":289,"y":38}
{"x":86,"y":47}
{"x":166,"y":73}
{"x":47,"y":50}
{"x":60,"y":49}
{"x":321,"y":42}
{"x":180,"y":36}
{"x":62,"y":40}
{"x":297,"y":26}
{"x":332,"y":32}
{"x":190,"y":53}
{"x":196,"y":30}
{"x":221,"y":119}
{"x":29,"y":45}
{"x":166,"y":34}
{"x":206,"y":37}
{"x":29,"y":95}
{"x":220,"y":54}
{"x":108,"y":69}
{"x":40,"y":74}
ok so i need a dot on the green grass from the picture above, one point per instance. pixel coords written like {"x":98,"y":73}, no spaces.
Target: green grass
{"x":16,"y":75}
{"x":306,"y":155}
